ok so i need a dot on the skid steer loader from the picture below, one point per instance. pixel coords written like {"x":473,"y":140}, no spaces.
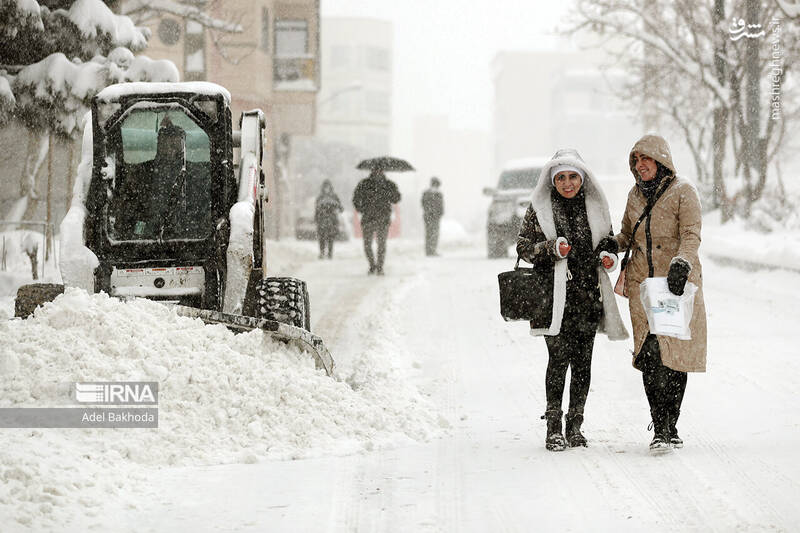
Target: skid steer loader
{"x":161,"y":211}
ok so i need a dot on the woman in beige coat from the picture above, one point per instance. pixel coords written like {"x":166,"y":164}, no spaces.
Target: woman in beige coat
{"x":665,"y":244}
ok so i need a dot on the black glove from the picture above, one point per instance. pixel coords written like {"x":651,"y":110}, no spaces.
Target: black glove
{"x":678,"y":274}
{"x":607,"y":244}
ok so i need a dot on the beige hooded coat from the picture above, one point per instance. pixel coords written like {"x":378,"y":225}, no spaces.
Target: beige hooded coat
{"x":674,"y":225}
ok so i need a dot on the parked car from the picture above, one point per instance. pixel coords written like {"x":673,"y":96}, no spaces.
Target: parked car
{"x":510,"y":200}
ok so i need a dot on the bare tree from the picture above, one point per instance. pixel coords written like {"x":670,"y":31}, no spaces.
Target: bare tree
{"x":224,"y":25}
{"x":715,"y":89}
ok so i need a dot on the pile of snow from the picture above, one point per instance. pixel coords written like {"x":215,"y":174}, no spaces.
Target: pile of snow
{"x":453,"y":234}
{"x":734,"y":241}
{"x":223,"y":398}
{"x":15,"y":265}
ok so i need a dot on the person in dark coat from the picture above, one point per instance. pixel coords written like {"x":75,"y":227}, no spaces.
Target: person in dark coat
{"x":567,"y":231}
{"x":326,"y":215}
{"x":373,"y":198}
{"x":432,"y":212}
{"x":154,"y":198}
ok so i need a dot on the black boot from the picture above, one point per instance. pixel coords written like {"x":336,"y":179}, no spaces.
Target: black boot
{"x":674,"y":440}
{"x":660,"y":440}
{"x":555,"y":440}
{"x":575,"y":438}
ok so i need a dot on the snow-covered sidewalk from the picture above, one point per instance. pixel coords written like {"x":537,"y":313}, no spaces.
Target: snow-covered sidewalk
{"x":734,"y":244}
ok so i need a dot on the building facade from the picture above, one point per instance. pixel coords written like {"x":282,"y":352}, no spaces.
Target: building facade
{"x":355,"y":102}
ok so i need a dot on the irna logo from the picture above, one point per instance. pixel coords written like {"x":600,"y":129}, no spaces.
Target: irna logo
{"x":117,"y":392}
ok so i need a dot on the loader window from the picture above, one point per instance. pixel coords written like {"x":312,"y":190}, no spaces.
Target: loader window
{"x":162,"y":190}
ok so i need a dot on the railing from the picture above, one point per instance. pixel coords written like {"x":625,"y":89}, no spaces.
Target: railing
{"x":29,"y":243}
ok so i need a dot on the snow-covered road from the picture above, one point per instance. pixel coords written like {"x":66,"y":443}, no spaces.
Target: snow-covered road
{"x":437,"y":320}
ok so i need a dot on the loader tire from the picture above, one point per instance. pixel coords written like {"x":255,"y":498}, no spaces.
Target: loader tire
{"x":31,"y":296}
{"x":284,"y":300}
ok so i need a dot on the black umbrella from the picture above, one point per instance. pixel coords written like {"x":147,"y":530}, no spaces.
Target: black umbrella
{"x":387,"y":163}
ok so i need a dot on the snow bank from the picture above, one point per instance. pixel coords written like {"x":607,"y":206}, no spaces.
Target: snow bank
{"x":223,"y":398}
{"x":733,"y":241}
{"x":453,"y":234}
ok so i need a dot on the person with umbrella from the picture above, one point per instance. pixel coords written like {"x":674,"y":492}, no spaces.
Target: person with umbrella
{"x":373,"y":199}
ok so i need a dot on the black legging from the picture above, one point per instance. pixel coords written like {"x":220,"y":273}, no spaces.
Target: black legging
{"x":663,"y":386}
{"x":325,"y":243}
{"x":573,"y":350}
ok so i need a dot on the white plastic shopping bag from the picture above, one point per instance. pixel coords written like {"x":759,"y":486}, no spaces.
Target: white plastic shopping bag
{"x":667,"y":314}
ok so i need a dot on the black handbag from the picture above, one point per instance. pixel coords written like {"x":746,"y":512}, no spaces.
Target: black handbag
{"x":527,"y":294}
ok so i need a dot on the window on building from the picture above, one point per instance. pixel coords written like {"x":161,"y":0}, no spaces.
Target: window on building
{"x":291,"y":38}
{"x":340,"y":56}
{"x":194,"y":61}
{"x":169,"y":31}
{"x":376,"y":102}
{"x":265,"y":29}
{"x":376,"y":58}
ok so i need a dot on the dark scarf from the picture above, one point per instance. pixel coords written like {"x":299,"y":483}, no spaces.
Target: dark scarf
{"x":649,"y":188}
{"x":583,"y":296}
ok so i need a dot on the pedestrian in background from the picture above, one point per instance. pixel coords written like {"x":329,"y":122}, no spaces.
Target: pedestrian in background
{"x":665,"y":244}
{"x":567,"y":232}
{"x":326,"y":215}
{"x":373,"y":199}
{"x":432,"y":212}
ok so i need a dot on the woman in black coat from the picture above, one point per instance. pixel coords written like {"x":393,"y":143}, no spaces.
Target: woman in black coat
{"x":567,"y":231}
{"x":326,"y":215}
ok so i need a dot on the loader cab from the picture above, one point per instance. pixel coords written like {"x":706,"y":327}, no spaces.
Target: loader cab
{"x":162,"y":185}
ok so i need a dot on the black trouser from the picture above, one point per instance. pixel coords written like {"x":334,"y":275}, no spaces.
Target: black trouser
{"x":663,"y":386}
{"x":431,"y":236}
{"x":569,"y":350}
{"x":379,"y":230}
{"x":326,"y":243}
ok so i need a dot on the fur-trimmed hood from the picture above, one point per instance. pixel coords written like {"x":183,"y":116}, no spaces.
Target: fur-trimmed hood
{"x":596,"y":203}
{"x":600,"y":225}
{"x":654,"y":147}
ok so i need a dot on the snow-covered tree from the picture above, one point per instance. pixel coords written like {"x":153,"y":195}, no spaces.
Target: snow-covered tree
{"x":56,"y":56}
{"x":221,"y":28}
{"x":688,"y":67}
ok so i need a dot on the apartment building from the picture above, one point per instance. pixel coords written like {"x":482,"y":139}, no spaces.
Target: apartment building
{"x":355,"y":102}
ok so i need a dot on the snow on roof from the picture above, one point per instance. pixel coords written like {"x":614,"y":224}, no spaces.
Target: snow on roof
{"x":115,"y":92}
{"x":525,"y":162}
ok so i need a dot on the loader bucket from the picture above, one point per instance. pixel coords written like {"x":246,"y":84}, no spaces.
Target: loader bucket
{"x":299,"y":337}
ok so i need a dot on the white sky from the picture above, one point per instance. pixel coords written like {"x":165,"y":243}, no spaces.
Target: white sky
{"x":443,"y":50}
